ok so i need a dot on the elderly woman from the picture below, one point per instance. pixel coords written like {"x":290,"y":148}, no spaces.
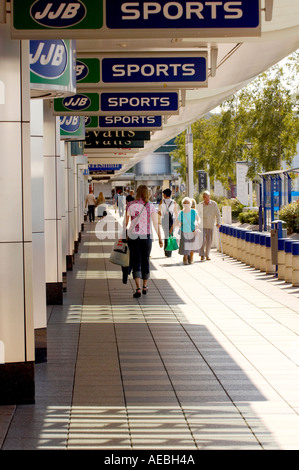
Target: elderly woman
{"x":141,"y":212}
{"x":190,"y":242}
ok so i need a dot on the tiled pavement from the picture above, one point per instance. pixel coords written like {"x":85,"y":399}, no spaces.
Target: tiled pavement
{"x":208,"y":359}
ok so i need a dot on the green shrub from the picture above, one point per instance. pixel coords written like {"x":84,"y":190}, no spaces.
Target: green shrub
{"x":237,"y":208}
{"x":290,"y":215}
{"x":249,"y":217}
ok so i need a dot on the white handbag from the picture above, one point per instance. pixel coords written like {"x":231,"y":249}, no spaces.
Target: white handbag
{"x":120,"y":254}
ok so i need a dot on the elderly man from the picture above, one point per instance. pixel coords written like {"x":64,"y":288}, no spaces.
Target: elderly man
{"x":209,"y":212}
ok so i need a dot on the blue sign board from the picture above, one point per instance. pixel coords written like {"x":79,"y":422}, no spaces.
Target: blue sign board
{"x":72,"y":128}
{"x":48,"y":59}
{"x":124,"y":122}
{"x":182,"y":14}
{"x":105,"y":167}
{"x":140,"y":102}
{"x":52,"y":70}
{"x":121,"y":19}
{"x":171,"y":69}
{"x":70,"y":124}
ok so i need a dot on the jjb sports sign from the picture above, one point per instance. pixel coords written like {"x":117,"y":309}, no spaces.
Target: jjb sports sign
{"x":52,"y":67}
{"x":172,"y":69}
{"x":120,"y":19}
{"x":118,"y":103}
{"x":134,"y":122}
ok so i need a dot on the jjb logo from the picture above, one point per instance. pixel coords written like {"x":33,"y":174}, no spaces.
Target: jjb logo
{"x":57,"y":14}
{"x":48,"y":59}
{"x":70,"y":123}
{"x":81,"y":70}
{"x":77,"y":102}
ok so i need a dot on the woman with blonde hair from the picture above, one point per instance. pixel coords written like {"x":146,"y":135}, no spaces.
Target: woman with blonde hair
{"x":101,"y":199}
{"x":101,"y":205}
{"x":140,"y":213}
{"x":188,"y":219}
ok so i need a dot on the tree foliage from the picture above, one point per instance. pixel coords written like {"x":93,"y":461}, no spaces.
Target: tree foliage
{"x":259,"y":124}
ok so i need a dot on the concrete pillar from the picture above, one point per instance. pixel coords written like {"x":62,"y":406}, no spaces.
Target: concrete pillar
{"x":70,"y":207}
{"x":53,"y":245}
{"x":16,"y":284}
{"x":63,"y":215}
{"x":38,"y":229}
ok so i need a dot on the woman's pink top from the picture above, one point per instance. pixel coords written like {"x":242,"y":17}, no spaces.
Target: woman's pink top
{"x":143,"y":226}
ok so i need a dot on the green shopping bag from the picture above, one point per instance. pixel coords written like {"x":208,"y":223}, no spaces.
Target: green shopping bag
{"x":171,"y":244}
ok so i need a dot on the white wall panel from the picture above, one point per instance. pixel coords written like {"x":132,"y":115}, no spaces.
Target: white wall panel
{"x":37,"y":184}
{"x":39,"y":286}
{"x":53,"y":264}
{"x":50,"y":187}
{"x":28,"y":301}
{"x":10,"y":182}
{"x":12,"y":301}
{"x":36,"y":118}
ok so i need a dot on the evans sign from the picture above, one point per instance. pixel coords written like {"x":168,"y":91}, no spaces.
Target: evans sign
{"x":78,"y":19}
{"x":129,"y":135}
{"x":112,"y":143}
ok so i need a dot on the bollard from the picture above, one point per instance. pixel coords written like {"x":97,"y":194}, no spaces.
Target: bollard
{"x":230,"y":241}
{"x":247,"y":248}
{"x":295,"y":264}
{"x":239,"y":244}
{"x":270,"y":268}
{"x":263,"y":252}
{"x":234,"y":243}
{"x":227,"y":238}
{"x":281,"y":259}
{"x":220,"y":238}
{"x":257,"y":259}
{"x":252,"y":250}
{"x":223,"y":237}
{"x":243,"y":245}
{"x":288,"y":260}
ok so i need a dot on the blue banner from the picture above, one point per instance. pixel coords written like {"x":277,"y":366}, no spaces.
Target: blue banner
{"x":129,"y":122}
{"x":153,"y":69}
{"x":139,"y":102}
{"x":105,"y":167}
{"x":162,"y":14}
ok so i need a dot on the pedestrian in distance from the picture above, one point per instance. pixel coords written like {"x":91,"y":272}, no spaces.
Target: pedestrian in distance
{"x":121,"y":202}
{"x":139,"y":215}
{"x":190,"y":240}
{"x":209,"y":212}
{"x":90,"y":203}
{"x":167,"y":214}
{"x":101,"y":205}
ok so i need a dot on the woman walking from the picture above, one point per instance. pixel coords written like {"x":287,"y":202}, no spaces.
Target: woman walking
{"x":101,"y":205}
{"x":190,"y":242}
{"x":141,"y":213}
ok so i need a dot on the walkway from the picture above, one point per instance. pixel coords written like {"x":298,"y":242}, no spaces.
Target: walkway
{"x":208,"y":359}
